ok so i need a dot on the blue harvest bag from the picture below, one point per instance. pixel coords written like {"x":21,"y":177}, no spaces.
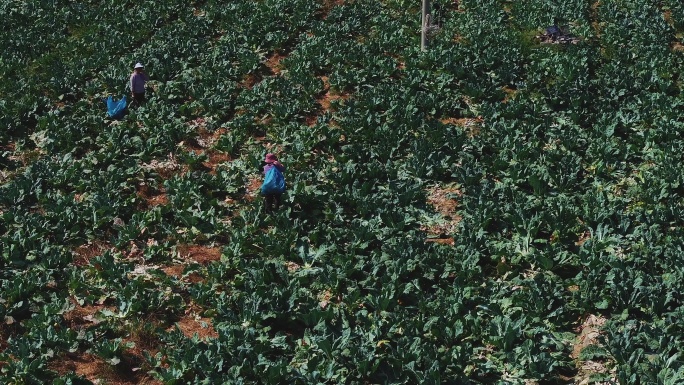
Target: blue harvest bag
{"x":116,"y":109}
{"x":274,"y":182}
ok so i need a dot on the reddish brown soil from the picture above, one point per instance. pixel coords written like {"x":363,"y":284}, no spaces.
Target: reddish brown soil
{"x":441,"y":241}
{"x":273,"y":63}
{"x":96,"y":370}
{"x":250,"y":81}
{"x":215,"y":158}
{"x":441,"y":199}
{"x":192,"y":325}
{"x":158,"y":200}
{"x":253,"y":187}
{"x":583,"y":238}
{"x":152,"y":196}
{"x":92,"y":367}
{"x":470,"y":125}
{"x":199,"y":254}
{"x":175,"y":271}
{"x":272,"y":66}
{"x":84,"y":253}
{"x":325,"y":100}
{"x":81,"y":316}
{"x":328,"y":96}
{"x":204,"y":143}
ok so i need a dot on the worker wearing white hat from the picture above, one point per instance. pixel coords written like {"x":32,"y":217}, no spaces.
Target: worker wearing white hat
{"x":138,"y":79}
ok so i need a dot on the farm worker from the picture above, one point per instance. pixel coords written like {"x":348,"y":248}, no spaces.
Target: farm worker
{"x":138,"y":79}
{"x":274,"y":183}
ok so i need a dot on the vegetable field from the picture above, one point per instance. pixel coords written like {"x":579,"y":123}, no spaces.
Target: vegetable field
{"x":493,"y":210}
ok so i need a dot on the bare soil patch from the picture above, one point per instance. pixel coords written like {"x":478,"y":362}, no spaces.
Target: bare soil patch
{"x":215,"y":158}
{"x":165,"y":168}
{"x":273,"y":63}
{"x":471,"y":126}
{"x":677,"y":47}
{"x":325,"y":100}
{"x":175,"y":271}
{"x":84,"y":253}
{"x":328,"y":96}
{"x":192,"y":145}
{"x":97,"y":370}
{"x":152,"y":196}
{"x":441,"y":241}
{"x":193,"y":324}
{"x":253,"y":187}
{"x":145,"y":341}
{"x":202,"y":145}
{"x":311,"y":120}
{"x":442,"y":199}
{"x":588,"y":334}
{"x":83,"y":316}
{"x":250,"y":80}
{"x":271,"y":66}
{"x":199,"y":254}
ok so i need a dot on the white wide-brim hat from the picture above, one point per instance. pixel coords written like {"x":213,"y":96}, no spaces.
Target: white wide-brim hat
{"x":138,"y":65}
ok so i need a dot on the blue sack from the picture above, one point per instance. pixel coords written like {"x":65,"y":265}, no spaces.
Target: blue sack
{"x":116,"y":109}
{"x":274,"y":182}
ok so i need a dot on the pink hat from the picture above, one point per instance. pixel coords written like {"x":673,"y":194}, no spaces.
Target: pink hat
{"x":270,"y":158}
